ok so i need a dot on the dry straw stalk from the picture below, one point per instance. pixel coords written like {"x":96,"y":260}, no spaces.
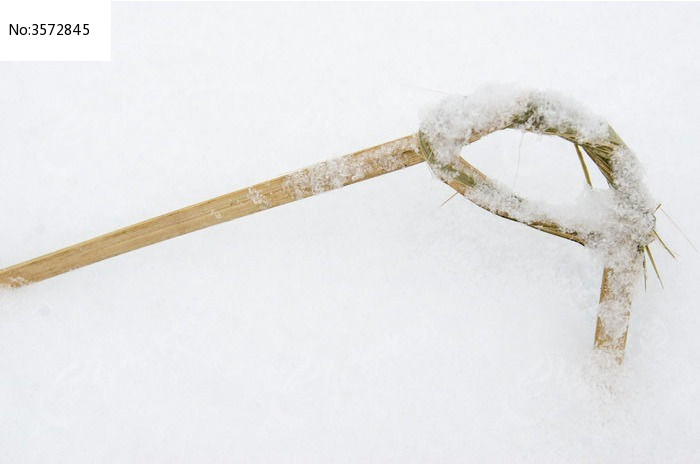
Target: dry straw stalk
{"x":303,"y":183}
{"x":616,"y":291}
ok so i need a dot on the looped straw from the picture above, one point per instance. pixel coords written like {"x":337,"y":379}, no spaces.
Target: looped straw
{"x":473,"y":184}
{"x":441,"y":140}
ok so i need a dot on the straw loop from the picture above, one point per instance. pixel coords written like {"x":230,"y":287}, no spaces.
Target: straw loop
{"x":630,"y":222}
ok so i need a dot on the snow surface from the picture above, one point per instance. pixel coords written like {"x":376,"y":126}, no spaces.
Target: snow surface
{"x":365,"y":324}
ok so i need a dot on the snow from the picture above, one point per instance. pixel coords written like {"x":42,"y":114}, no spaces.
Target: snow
{"x":258,"y":198}
{"x":458,"y":118}
{"x":364,"y":324}
{"x":338,"y":172}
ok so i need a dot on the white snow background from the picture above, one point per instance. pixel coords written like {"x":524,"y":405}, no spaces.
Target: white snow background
{"x":368,"y":324}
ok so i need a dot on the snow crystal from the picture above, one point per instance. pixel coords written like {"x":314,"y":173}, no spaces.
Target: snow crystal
{"x":336,"y":173}
{"x":258,"y":198}
{"x":325,"y":176}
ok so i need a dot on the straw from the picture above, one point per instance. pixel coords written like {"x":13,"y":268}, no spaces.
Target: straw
{"x":319,"y":178}
{"x":616,"y":287}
